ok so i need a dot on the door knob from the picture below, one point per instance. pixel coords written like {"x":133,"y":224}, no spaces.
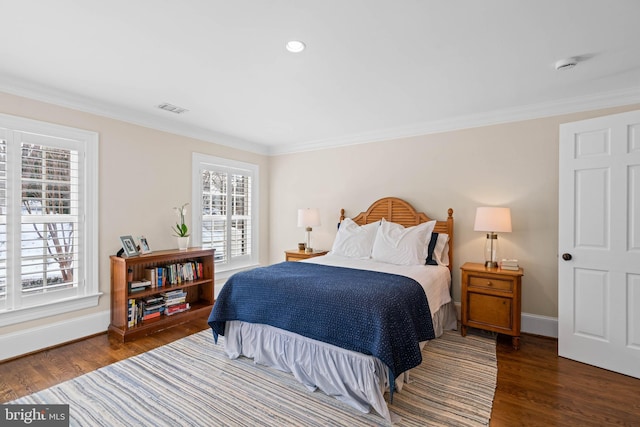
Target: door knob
{"x":566,"y":256}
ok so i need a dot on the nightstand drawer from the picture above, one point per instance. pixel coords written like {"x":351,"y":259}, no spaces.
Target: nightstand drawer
{"x":491,"y":283}
{"x":490,"y":310}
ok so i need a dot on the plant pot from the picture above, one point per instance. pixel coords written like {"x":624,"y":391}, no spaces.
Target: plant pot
{"x":183,"y":243}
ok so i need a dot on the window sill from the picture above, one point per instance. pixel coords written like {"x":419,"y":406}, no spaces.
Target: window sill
{"x":11,"y":317}
{"x":225,"y":274}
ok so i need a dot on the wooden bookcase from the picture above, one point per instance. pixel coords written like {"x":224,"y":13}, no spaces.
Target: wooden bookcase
{"x":200,"y":294}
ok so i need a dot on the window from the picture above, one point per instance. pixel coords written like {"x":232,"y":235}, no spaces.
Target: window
{"x":48,"y":219}
{"x":225,"y":211}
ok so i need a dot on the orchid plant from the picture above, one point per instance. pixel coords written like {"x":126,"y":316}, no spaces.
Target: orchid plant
{"x":181,"y":229}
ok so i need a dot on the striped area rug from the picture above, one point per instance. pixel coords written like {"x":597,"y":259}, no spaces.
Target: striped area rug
{"x":191,"y":382}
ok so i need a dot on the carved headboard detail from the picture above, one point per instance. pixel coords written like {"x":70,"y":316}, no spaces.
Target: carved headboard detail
{"x":401,"y":212}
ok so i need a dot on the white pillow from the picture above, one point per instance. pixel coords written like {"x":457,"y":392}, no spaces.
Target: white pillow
{"x":398,"y":245}
{"x":441,"y":251}
{"x":354,"y":241}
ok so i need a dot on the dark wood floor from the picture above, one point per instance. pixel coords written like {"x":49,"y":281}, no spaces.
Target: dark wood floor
{"x":538,"y":388}
{"x":535,"y":386}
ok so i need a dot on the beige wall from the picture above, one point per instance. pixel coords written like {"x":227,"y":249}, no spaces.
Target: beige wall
{"x":514,"y":165}
{"x":144,"y":173}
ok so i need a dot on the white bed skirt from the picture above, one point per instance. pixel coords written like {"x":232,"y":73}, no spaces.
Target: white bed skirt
{"x":445,"y":319}
{"x":354,"y":378}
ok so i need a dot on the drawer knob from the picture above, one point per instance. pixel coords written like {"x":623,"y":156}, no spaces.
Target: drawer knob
{"x":489,"y":283}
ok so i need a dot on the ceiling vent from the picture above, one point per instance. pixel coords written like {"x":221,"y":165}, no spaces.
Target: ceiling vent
{"x":172,"y":108}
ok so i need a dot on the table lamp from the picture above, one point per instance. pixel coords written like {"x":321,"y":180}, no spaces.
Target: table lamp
{"x":308,"y":218}
{"x":492,"y":220}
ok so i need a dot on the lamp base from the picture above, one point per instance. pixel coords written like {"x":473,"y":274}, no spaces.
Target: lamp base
{"x":491,"y":251}
{"x":308,"y":248}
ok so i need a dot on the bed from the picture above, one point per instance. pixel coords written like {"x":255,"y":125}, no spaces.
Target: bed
{"x":351,"y":323}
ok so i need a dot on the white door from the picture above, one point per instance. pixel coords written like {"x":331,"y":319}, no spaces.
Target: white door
{"x":599,"y":242}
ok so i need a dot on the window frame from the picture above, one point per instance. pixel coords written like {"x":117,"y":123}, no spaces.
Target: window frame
{"x":87,"y":292}
{"x":204,"y":161}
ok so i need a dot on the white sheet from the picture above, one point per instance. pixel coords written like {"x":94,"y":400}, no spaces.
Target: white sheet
{"x":434,"y":279}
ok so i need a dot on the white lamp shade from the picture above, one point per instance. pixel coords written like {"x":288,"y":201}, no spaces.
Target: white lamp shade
{"x":308,"y":217}
{"x":493,"y":219}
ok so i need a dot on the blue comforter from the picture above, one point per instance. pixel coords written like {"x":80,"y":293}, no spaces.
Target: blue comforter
{"x":379,"y":314}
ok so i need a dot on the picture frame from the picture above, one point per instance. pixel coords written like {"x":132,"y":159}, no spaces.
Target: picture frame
{"x":144,"y":246}
{"x":129,"y":246}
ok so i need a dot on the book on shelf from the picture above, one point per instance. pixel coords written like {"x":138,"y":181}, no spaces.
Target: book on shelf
{"x":160,"y":275}
{"x":168,"y":302}
{"x":155,"y":275}
{"x":177,"y":308}
{"x":153,"y":299}
{"x":152,"y":304}
{"x":136,"y":312}
{"x":151,"y":315}
{"x":150,"y":308}
{"x":174,"y":293}
{"x":131,"y":312}
{"x":151,"y":275}
{"x":174,"y":297}
{"x":139,"y":285}
{"x":509,"y":264}
{"x":179,"y":273}
{"x":174,"y":301}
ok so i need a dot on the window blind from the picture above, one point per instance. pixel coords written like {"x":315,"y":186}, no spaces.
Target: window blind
{"x":48,"y":219}
{"x":226,"y":214}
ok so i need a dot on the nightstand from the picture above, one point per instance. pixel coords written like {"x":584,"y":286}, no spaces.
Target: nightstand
{"x":297,"y":255}
{"x":491,"y":300}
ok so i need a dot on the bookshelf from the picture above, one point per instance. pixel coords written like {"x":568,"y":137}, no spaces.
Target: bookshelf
{"x":197,"y":292}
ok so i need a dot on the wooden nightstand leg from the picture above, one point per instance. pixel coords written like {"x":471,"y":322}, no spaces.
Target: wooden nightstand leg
{"x":515,"y":341}
{"x":463,"y":330}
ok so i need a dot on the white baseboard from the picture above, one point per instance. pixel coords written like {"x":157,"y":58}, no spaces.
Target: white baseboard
{"x":532,"y":324}
{"x":34,"y":339}
{"x":29,"y":340}
{"x":539,"y":325}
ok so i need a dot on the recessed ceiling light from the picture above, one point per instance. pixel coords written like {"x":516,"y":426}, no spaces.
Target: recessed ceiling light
{"x":295,"y":46}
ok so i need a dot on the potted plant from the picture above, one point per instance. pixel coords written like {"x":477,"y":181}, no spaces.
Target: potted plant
{"x":181,"y":230}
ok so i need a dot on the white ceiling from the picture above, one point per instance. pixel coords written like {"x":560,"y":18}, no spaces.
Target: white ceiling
{"x":373,"y":69}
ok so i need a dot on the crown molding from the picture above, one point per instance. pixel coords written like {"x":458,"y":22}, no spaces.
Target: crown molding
{"x":597,"y":101}
{"x":65,"y":99}
{"x":527,"y":112}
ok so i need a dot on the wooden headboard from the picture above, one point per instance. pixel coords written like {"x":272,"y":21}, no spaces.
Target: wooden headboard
{"x":401,"y":212}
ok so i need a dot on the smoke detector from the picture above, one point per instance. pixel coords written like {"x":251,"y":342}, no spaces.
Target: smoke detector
{"x":566,"y":64}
